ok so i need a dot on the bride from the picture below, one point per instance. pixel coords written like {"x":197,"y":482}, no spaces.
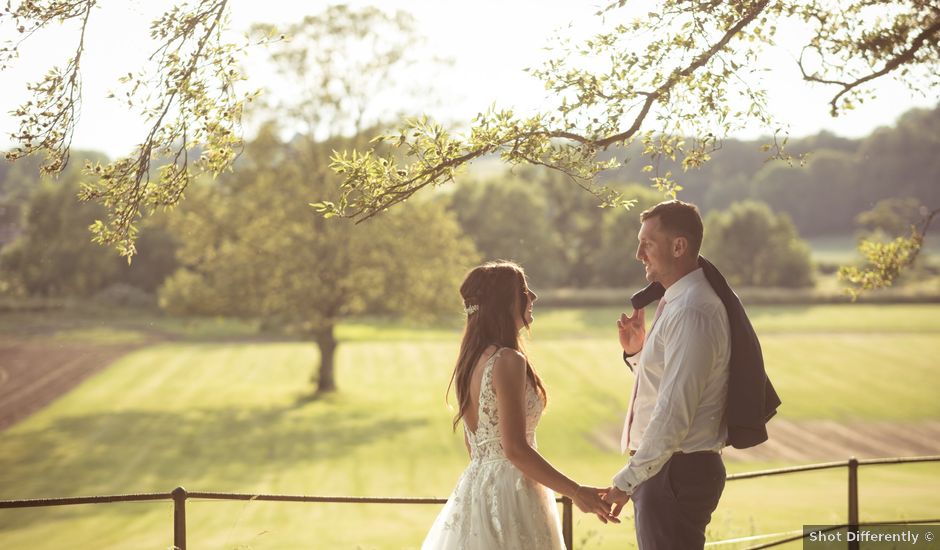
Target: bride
{"x":504,"y":498}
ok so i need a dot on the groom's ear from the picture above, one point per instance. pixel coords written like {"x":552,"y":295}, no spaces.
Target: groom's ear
{"x":680,"y":245}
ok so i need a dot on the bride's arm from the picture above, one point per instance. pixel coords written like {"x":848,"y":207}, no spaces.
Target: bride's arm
{"x":466,"y":441}
{"x":509,"y":379}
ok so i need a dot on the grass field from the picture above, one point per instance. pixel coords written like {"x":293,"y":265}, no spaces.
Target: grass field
{"x":210,"y":412}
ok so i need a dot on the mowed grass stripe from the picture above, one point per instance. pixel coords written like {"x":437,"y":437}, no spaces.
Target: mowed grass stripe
{"x":136,"y":381}
{"x":852,"y":377}
{"x":588,"y":387}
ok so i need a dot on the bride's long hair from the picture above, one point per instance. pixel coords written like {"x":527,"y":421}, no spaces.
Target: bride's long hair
{"x":498,"y":291}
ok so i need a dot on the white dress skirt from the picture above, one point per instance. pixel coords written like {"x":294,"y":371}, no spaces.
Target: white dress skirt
{"x":494,"y":505}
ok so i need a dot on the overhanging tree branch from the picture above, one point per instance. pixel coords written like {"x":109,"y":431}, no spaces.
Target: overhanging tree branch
{"x":374,"y":183}
{"x":696,"y":64}
{"x":187,"y":97}
{"x":47,"y":122}
{"x":906,"y":56}
{"x":680,"y":79}
{"x":137,"y":173}
{"x":884,"y":262}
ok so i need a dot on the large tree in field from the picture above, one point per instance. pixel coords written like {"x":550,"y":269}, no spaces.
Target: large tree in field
{"x":253,"y":248}
{"x":677,"y":78}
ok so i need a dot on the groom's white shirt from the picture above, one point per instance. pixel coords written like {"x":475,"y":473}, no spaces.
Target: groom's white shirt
{"x":682,"y":379}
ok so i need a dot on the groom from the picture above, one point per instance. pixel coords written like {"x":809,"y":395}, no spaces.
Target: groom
{"x":676,"y":426}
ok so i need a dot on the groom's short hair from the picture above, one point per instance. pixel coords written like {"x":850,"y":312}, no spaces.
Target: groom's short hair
{"x":680,"y":218}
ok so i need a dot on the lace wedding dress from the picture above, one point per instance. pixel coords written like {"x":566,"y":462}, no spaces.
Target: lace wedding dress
{"x":494,"y":506}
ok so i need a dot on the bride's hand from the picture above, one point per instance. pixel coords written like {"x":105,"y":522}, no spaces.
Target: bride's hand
{"x":590,"y":501}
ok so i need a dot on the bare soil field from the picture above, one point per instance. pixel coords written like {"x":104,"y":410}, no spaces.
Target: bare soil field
{"x":825,"y":440}
{"x":33,"y":374}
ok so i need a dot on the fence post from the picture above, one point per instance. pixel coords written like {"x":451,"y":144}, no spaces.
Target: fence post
{"x":853,"y":501}
{"x":179,"y":518}
{"x":567,"y":523}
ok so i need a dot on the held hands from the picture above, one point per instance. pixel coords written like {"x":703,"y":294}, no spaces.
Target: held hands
{"x":591,"y":500}
{"x":617,"y":498}
{"x":632,"y":331}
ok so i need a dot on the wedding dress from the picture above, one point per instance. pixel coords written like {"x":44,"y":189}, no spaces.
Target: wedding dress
{"x":494,"y":505}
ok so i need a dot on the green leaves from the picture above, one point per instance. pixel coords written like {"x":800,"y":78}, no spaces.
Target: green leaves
{"x":884,"y":261}
{"x":373,"y":181}
{"x":187,"y":94}
{"x":863,"y":41}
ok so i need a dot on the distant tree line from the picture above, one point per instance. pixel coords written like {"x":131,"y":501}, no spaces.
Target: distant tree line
{"x":752,"y":209}
{"x":841,"y":178}
{"x":564,"y":240}
{"x":50,"y":252}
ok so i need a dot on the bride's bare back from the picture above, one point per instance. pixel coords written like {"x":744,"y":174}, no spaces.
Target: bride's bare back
{"x":471,"y":415}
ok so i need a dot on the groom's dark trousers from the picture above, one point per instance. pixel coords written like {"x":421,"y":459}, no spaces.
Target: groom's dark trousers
{"x":672,"y":508}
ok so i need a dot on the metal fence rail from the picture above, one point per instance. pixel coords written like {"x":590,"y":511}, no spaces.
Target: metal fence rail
{"x":842,"y":526}
{"x":179,"y":496}
{"x":852,"y":464}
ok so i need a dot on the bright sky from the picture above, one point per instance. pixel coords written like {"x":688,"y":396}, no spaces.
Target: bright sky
{"x":490,"y":42}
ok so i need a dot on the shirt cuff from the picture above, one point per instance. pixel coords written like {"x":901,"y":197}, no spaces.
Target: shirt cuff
{"x":627,"y":356}
{"x":642,"y":466}
{"x":626,"y":480}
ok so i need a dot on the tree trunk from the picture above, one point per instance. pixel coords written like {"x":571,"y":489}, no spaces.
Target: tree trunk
{"x":323,"y":378}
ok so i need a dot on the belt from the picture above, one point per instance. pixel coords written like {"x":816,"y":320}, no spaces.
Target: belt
{"x":633,"y":452}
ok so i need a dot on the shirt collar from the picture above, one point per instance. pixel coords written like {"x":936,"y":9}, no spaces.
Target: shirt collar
{"x":687,"y":281}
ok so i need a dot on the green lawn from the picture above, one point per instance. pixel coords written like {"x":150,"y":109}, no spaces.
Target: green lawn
{"x":228,"y":416}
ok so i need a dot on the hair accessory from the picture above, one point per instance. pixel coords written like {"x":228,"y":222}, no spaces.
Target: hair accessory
{"x":470,"y":310}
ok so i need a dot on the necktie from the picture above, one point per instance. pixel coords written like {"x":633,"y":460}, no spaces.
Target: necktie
{"x":625,"y":437}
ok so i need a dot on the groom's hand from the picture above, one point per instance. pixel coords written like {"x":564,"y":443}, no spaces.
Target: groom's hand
{"x":632,"y":331}
{"x":591,"y":500}
{"x":618,"y":498}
